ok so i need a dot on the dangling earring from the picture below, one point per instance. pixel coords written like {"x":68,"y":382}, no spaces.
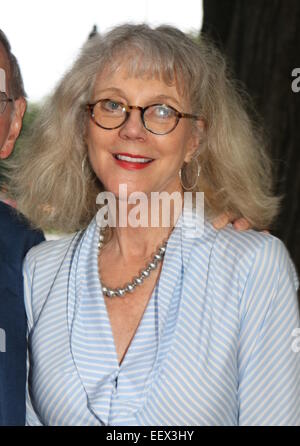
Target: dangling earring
{"x":196,"y":181}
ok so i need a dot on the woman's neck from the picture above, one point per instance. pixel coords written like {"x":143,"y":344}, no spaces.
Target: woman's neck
{"x":134,"y":242}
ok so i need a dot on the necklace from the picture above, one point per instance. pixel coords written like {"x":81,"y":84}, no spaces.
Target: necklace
{"x":137,"y":281}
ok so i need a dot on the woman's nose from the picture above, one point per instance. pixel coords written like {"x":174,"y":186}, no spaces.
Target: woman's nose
{"x":133,"y":128}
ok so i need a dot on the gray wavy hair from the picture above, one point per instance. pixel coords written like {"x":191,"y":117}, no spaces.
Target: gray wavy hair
{"x":16,"y":81}
{"x":55,"y":189}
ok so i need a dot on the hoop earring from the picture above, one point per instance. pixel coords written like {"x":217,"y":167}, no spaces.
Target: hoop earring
{"x":198,"y":173}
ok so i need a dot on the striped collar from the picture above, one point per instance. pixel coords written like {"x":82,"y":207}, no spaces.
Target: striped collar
{"x":88,"y":315}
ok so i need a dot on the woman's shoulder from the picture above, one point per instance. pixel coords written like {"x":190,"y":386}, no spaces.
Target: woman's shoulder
{"x":248,"y":269}
{"x":235,"y":256}
{"x":250,"y":252}
{"x":245,"y":244}
{"x":50,"y":251}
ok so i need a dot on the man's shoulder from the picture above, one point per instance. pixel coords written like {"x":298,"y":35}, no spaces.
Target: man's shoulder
{"x":16,"y":235}
{"x":14,"y":224}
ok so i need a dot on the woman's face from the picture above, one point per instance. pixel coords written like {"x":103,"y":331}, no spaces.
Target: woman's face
{"x":168,"y":152}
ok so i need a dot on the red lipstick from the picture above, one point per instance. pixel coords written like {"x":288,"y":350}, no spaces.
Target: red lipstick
{"x":131,"y":165}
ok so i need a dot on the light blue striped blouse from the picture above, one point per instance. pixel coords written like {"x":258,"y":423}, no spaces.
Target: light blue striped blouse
{"x":214,"y":346}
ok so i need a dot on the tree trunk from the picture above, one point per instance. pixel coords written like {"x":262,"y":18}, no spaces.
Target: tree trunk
{"x":261,"y":39}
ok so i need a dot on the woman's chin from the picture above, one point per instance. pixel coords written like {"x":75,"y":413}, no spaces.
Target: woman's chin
{"x":122,"y":191}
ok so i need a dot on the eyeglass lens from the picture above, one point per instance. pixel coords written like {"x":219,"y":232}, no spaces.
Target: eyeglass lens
{"x":158,"y":118}
{"x":3,"y":101}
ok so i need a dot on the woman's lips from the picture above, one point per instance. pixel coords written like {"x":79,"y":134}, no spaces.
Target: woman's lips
{"x":132,"y":162}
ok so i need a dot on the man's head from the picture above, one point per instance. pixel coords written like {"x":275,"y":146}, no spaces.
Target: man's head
{"x":11,"y":87}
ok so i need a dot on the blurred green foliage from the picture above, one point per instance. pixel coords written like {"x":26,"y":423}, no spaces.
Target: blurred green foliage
{"x":32,"y":111}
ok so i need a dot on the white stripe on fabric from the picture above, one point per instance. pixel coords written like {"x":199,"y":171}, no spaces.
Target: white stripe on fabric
{"x":213,"y":346}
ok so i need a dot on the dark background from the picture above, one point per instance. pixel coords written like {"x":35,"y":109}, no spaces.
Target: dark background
{"x":261,"y":39}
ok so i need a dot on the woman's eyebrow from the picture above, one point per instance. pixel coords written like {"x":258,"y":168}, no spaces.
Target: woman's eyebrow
{"x":154,"y":99}
{"x":163,"y":97}
{"x":110,"y":89}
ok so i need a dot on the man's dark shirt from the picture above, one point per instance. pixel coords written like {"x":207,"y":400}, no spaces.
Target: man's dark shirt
{"x":16,"y":238}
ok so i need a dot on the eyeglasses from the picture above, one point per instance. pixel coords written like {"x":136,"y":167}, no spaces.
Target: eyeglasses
{"x":159,"y":119}
{"x":3,"y":102}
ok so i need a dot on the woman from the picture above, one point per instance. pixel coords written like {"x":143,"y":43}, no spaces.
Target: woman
{"x":203,"y":335}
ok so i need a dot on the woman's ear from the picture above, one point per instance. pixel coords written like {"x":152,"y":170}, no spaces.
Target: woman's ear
{"x":195,"y":139}
{"x":15,"y":127}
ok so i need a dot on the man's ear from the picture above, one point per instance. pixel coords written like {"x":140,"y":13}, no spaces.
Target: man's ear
{"x":195,"y":139}
{"x":15,"y":127}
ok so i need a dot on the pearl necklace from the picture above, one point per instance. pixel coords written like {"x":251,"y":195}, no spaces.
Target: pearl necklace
{"x":137,"y":281}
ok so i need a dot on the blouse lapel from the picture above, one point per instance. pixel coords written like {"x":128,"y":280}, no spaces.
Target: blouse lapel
{"x":90,"y":332}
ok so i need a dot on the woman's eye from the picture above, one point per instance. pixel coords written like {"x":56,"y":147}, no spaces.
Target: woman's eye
{"x":163,"y":111}
{"x":112,"y":106}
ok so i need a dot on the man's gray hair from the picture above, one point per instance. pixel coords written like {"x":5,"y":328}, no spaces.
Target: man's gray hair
{"x":16,"y":81}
